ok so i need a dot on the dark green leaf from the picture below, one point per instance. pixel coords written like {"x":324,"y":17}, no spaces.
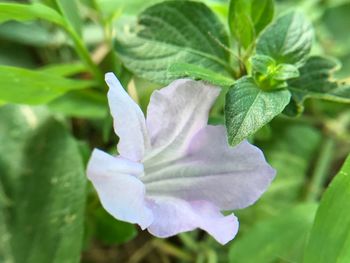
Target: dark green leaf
{"x":42,"y":178}
{"x":112,"y":231}
{"x":330,"y":235}
{"x":248,"y":108}
{"x":179,"y":70}
{"x":174,"y":32}
{"x":34,"y":87}
{"x":315,"y":82}
{"x":278,"y":239}
{"x":262,"y":14}
{"x":288,"y":40}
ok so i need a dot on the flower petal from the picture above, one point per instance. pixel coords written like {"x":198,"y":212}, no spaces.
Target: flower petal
{"x":173,"y":216}
{"x":230,"y":178}
{"x":175,"y":114}
{"x":121,"y":193}
{"x":129,"y":121}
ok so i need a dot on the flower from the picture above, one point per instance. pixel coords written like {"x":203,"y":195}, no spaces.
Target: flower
{"x":175,"y":173}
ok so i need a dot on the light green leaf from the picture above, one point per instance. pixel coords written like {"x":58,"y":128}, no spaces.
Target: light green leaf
{"x":247,"y":18}
{"x":180,"y":70}
{"x":70,"y":13}
{"x":174,"y":32}
{"x":34,"y":87}
{"x":330,"y":235}
{"x":285,"y":71}
{"x":262,"y":64}
{"x":248,"y":108}
{"x":65,"y":70}
{"x":26,"y":12}
{"x":288,"y":40}
{"x":315,"y":81}
{"x":262,"y":13}
{"x":82,"y":104}
{"x":42,"y":178}
{"x":277,"y":239}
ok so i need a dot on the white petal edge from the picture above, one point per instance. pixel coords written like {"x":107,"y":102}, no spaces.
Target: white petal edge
{"x":173,"y":216}
{"x":128,"y":121}
{"x":121,"y":193}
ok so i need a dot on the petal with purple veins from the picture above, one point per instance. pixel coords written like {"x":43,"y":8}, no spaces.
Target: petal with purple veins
{"x":230,"y":178}
{"x":175,"y":113}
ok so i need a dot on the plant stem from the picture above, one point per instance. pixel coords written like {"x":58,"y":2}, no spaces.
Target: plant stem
{"x":322,"y":167}
{"x":172,"y":250}
{"x":84,"y":54}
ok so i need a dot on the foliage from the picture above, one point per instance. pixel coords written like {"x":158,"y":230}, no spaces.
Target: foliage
{"x":283,"y":67}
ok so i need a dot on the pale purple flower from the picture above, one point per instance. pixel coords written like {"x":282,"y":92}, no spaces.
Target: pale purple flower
{"x":175,"y":173}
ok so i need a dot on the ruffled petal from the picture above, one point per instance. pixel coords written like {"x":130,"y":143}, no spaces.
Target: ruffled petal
{"x":121,"y":193}
{"x":230,"y":178}
{"x":173,"y":216}
{"x":175,"y":113}
{"x":129,"y":121}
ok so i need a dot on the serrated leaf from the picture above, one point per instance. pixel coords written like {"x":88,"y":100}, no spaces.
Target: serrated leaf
{"x":42,"y":177}
{"x":247,"y":18}
{"x":248,"y":108}
{"x":174,"y":32}
{"x":180,"y":70}
{"x":26,"y":12}
{"x":288,"y":40}
{"x":279,"y":238}
{"x":34,"y":87}
{"x":262,"y":64}
{"x":330,"y":235}
{"x":315,"y":81}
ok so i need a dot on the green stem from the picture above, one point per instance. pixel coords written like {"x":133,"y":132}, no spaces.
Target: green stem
{"x":84,"y":53}
{"x":322,"y":168}
{"x":172,"y":250}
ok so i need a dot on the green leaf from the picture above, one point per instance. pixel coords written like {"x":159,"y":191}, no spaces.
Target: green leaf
{"x":81,"y":104}
{"x":174,"y":32}
{"x":180,"y":70}
{"x":262,"y":13}
{"x":112,"y":231}
{"x":292,"y":161}
{"x":40,"y":36}
{"x":288,"y":40}
{"x":282,"y":237}
{"x":330,"y":235}
{"x":35,"y":87}
{"x":42,"y":178}
{"x":24,"y":12}
{"x":70,"y":13}
{"x":247,"y":19}
{"x":268,"y":68}
{"x":248,"y":108}
{"x":285,"y":71}
{"x":315,"y":81}
{"x":65,"y":70}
